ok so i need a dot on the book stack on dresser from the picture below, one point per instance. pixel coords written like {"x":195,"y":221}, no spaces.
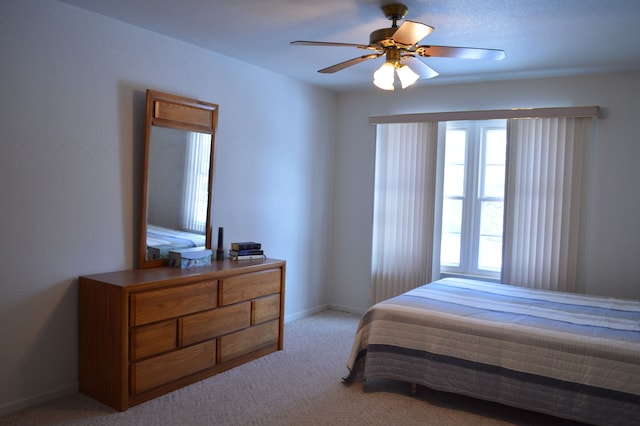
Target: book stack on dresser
{"x":247,"y":250}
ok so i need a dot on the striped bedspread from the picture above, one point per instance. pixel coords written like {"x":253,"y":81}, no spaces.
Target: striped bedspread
{"x":569,"y":355}
{"x":161,"y":240}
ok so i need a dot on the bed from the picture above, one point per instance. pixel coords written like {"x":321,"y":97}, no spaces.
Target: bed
{"x":161,"y":240}
{"x":568,"y":355}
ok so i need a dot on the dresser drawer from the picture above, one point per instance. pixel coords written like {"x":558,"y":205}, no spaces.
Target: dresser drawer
{"x":249,"y":286}
{"x":163,"y":369}
{"x":265,"y":309}
{"x":248,"y":340}
{"x":153,"y":339}
{"x":158,"y":305}
{"x":206,"y":325}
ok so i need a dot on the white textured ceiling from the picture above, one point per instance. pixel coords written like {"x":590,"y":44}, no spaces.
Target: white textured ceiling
{"x":540,"y":37}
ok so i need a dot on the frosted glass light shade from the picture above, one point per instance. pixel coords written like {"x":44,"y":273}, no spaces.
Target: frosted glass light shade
{"x":407,"y":76}
{"x":383,"y":77}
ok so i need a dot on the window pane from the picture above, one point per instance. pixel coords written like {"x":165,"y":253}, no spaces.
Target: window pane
{"x":490,"y":253}
{"x":490,"y":239}
{"x":496,"y":143}
{"x":451,"y":229}
{"x":494,"y":181}
{"x":455,"y":149}
{"x":491,"y":218}
{"x":454,"y":180}
{"x":452,"y":216}
{"x":494,"y":163}
{"x":454,"y":162}
{"x":450,"y":249}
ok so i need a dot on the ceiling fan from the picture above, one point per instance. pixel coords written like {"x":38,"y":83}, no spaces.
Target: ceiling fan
{"x":399,"y":44}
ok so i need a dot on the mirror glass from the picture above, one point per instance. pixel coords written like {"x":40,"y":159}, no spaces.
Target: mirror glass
{"x":178,"y":177}
{"x":178,"y":191}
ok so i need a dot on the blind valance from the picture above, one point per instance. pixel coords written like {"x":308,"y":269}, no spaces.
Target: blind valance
{"x":568,"y":112}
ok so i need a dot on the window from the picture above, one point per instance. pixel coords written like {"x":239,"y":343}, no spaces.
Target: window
{"x":473,"y":198}
{"x":528,"y":229}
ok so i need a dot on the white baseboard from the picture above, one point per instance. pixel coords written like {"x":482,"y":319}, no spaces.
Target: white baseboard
{"x":348,"y":309}
{"x":305,"y":313}
{"x":315,"y":310}
{"x":32,"y":401}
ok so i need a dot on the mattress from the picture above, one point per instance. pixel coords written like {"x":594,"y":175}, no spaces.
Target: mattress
{"x":161,"y":240}
{"x":569,"y":355}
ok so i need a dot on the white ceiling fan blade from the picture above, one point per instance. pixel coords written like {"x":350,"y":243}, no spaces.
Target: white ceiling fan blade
{"x":419,"y":67}
{"x":410,"y":32}
{"x":460,"y":52}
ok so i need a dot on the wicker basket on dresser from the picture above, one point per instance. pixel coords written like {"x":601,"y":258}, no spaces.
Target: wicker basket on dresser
{"x":146,"y":332}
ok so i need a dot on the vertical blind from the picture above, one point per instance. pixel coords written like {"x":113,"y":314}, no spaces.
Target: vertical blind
{"x":546,"y":203}
{"x":404,"y":197}
{"x":546,"y":199}
{"x":196,"y":183}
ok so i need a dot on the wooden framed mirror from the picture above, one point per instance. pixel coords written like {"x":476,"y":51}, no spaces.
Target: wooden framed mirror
{"x":177,"y":182}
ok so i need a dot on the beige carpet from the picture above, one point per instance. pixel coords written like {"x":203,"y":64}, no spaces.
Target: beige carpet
{"x":297,"y":386}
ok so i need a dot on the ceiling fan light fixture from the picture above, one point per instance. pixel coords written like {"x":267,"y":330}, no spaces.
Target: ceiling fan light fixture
{"x":406,"y":75}
{"x":384,"y":76}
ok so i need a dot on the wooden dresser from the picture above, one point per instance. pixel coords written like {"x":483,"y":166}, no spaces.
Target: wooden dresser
{"x":146,"y":332}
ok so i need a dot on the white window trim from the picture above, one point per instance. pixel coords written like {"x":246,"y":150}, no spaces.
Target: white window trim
{"x":470,"y":242}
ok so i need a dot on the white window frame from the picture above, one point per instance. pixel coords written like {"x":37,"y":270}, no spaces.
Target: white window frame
{"x":472,"y":196}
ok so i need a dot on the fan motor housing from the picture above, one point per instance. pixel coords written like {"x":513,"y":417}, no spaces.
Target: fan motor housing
{"x":383,"y":37}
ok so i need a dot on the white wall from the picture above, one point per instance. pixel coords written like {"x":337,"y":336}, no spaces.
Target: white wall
{"x":614,"y":228}
{"x":72,"y":90}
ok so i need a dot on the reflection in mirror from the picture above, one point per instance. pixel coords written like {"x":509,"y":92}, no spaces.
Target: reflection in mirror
{"x":178,"y":190}
{"x":178,"y":177}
